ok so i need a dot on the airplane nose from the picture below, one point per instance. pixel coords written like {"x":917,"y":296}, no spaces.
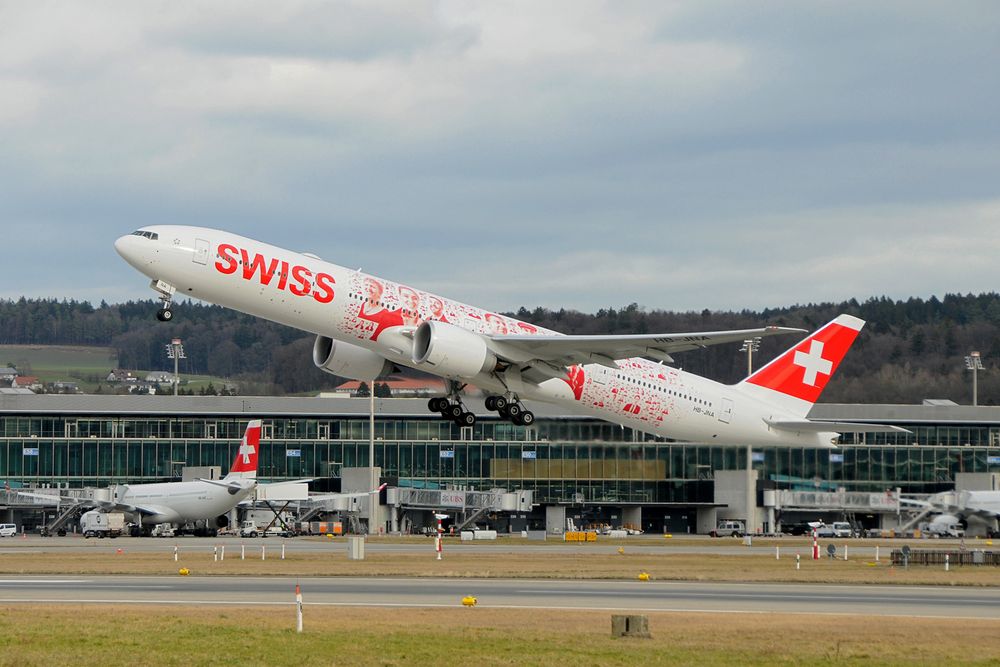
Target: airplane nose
{"x":131,"y":250}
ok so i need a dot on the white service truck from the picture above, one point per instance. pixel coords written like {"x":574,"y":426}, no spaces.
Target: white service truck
{"x":96,"y":523}
{"x":251,"y":528}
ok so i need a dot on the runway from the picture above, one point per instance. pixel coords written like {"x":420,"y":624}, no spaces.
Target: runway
{"x":693,"y":597}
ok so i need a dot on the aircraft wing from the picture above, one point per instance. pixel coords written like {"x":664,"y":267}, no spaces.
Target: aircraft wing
{"x":812,"y":426}
{"x":562,"y":351}
{"x":105,"y":505}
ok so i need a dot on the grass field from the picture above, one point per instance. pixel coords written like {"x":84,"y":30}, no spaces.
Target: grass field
{"x":90,"y":635}
{"x":60,"y":362}
{"x":87,"y":366}
{"x":102,"y":557}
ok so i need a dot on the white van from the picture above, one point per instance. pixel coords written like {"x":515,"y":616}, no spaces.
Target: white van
{"x":8,"y":530}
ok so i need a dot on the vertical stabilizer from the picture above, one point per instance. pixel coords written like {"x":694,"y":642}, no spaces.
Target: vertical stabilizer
{"x":795,"y":379}
{"x":245,"y":464}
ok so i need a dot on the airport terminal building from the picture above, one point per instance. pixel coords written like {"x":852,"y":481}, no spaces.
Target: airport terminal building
{"x":577,"y":467}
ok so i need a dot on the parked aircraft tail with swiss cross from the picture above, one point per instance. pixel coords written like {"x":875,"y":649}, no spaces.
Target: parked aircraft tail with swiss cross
{"x":245,"y":464}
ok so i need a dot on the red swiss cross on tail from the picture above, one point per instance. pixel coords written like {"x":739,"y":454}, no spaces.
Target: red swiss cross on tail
{"x":245,"y":464}
{"x":803,"y":371}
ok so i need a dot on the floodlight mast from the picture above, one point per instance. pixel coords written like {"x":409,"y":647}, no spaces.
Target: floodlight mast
{"x":974,"y":363}
{"x":750,"y":345}
{"x":175,"y":351}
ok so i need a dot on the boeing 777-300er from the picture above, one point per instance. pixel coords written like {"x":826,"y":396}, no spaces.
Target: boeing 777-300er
{"x":365,"y":326}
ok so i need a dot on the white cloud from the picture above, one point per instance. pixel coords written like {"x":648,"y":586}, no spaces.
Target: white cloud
{"x":572,"y":153}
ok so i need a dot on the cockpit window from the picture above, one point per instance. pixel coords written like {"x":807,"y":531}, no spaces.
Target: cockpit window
{"x":149,"y":235}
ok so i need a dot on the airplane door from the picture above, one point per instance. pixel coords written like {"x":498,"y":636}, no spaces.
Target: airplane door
{"x":200,"y":251}
{"x":726,"y":411}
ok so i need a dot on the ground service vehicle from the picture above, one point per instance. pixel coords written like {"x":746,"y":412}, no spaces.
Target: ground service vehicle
{"x":251,"y":529}
{"x":835,"y":529}
{"x":96,"y":523}
{"x":8,"y":530}
{"x":728,"y":528}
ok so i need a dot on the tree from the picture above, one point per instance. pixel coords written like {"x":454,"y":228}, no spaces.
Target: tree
{"x":363,"y":390}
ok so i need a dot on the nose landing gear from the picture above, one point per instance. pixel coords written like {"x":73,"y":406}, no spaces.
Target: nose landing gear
{"x":166,"y":292}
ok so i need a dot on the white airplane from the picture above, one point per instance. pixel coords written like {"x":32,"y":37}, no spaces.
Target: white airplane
{"x":952,"y":508}
{"x":204,"y":502}
{"x":366,"y":325}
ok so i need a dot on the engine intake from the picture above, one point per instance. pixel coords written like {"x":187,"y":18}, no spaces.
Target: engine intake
{"x":450,"y":351}
{"x":349,"y":361}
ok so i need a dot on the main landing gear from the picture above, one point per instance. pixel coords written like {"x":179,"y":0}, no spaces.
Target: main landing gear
{"x":456,"y":412}
{"x":507,"y":406}
{"x":510,"y":409}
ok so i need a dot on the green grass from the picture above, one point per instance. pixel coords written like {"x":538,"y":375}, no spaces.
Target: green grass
{"x":59,"y":362}
{"x":87,"y":366}
{"x":105,"y":635}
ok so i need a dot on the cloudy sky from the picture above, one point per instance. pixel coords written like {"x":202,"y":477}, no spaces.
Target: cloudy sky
{"x":720,"y":155}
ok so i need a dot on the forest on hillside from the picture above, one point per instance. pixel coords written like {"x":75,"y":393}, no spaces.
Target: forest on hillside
{"x":909,"y":350}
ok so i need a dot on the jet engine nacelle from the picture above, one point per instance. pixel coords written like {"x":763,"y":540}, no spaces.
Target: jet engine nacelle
{"x":349,"y":361}
{"x":450,"y":351}
{"x":943,"y":520}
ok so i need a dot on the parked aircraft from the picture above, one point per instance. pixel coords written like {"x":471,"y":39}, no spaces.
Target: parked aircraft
{"x":365,"y":326}
{"x":203,"y":502}
{"x":950,"y":509}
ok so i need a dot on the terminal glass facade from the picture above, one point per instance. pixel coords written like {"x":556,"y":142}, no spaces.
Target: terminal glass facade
{"x":562,"y":460}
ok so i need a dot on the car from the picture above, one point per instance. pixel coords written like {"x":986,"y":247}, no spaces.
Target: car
{"x":803,"y":528}
{"x":728,"y":528}
{"x":835,"y":529}
{"x":8,"y":530}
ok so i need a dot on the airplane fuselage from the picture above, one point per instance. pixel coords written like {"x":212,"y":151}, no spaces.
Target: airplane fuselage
{"x":307,"y":293}
{"x":180,"y":502}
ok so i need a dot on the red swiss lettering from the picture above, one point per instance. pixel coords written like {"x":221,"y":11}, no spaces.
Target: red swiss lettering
{"x":227,"y":260}
{"x":300,"y":280}
{"x":257,"y":264}
{"x":324,"y":288}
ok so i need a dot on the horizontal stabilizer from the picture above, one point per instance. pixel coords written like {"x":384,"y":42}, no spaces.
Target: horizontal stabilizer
{"x":811,"y":426}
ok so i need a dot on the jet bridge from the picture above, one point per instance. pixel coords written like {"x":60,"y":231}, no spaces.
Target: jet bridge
{"x":465,"y":506}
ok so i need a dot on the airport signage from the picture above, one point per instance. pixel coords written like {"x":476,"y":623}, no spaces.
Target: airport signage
{"x":452,"y":499}
{"x":293,"y":452}
{"x":529,"y":454}
{"x":30,"y":451}
{"x":447,"y":453}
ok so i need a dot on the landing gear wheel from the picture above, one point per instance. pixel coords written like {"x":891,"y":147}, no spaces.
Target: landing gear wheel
{"x":514,"y":411}
{"x":527,"y":418}
{"x":437,"y":404}
{"x":454,"y":411}
{"x":165,"y":315}
{"x":500,"y":403}
{"x":466,"y":419}
{"x":491,"y":403}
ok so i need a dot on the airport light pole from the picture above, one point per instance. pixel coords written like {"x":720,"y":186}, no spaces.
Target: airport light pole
{"x":974,"y":362}
{"x":750,"y":345}
{"x":373,"y":507}
{"x":175,"y":351}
